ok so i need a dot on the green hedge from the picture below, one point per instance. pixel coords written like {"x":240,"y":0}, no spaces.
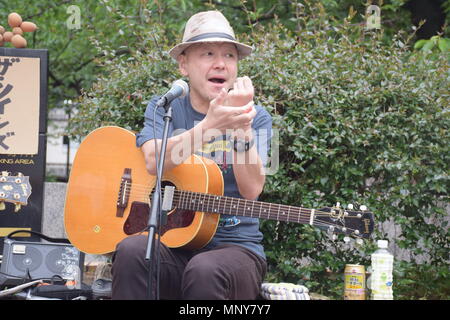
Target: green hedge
{"x":360,"y":122}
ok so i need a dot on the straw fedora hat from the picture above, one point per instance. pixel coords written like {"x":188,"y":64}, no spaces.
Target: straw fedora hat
{"x":209,"y":26}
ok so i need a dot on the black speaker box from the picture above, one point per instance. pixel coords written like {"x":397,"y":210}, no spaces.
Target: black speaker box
{"x":24,"y":261}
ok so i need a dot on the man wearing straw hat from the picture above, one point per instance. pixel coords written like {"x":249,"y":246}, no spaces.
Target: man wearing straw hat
{"x":220,"y":109}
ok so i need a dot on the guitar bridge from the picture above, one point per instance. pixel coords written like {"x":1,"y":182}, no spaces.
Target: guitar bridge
{"x":124,"y":192}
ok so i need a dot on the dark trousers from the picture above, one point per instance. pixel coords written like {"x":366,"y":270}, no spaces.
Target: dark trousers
{"x":226,"y":272}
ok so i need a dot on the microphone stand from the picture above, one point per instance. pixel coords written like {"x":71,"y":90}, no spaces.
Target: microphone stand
{"x":156,"y":214}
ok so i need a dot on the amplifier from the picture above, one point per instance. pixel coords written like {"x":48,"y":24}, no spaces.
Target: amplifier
{"x":25,"y":261}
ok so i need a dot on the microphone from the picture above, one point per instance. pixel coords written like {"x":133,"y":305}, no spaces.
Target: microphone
{"x":179,"y":89}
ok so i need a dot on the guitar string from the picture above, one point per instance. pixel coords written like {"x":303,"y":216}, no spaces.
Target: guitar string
{"x":303,"y":220}
{"x":242,"y":205}
{"x":295,"y":211}
{"x":264,"y":206}
{"x":295,"y":217}
{"x":145,"y":191}
{"x":270,"y":215}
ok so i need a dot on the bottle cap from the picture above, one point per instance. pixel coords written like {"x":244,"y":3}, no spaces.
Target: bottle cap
{"x":383,"y":244}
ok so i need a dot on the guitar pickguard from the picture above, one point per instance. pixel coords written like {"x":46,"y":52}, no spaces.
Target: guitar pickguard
{"x":138,"y":219}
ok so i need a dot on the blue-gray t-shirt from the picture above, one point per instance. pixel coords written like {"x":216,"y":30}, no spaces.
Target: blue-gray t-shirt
{"x":232,"y":229}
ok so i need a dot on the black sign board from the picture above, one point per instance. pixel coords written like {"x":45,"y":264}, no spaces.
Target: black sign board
{"x":23,"y":126}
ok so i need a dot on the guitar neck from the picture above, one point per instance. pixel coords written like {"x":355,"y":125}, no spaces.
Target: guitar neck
{"x":195,"y":201}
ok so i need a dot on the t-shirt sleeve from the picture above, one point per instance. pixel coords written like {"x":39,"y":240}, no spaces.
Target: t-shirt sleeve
{"x":153,"y":124}
{"x":262,"y":127}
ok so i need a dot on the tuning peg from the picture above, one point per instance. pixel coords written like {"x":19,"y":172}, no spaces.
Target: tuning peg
{"x":363,"y":208}
{"x":2,"y":205}
{"x":359,"y":241}
{"x":350,"y":206}
{"x":346,"y":239}
{"x":17,"y":207}
{"x":338,"y":204}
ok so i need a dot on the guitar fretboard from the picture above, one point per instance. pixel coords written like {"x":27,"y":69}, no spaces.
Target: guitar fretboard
{"x":203,"y":202}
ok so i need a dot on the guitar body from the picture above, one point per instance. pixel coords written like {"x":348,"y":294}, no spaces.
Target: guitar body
{"x":109,"y":191}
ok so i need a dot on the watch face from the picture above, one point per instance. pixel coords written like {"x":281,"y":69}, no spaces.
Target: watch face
{"x":241,"y":145}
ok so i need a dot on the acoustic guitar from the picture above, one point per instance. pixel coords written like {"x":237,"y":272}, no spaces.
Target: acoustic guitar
{"x":109,"y":192}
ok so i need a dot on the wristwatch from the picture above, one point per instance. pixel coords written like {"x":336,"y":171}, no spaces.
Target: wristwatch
{"x":240,"y":145}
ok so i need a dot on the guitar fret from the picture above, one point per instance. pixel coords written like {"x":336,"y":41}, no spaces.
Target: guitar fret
{"x":260,"y":208}
{"x":193,"y":202}
{"x":207,"y":198}
{"x":181,"y":199}
{"x":222,"y":210}
{"x":201,"y":202}
{"x":216,"y":209}
{"x":186,"y":203}
{"x":211,"y":206}
{"x":198,"y":203}
{"x":186,"y":200}
{"x":311,"y":218}
{"x":246,"y":206}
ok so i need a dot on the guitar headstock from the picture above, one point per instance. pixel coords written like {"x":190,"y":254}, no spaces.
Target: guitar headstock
{"x":14,"y":189}
{"x":357,"y":224}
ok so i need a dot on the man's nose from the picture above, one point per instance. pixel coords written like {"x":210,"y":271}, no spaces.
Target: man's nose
{"x":219,"y":62}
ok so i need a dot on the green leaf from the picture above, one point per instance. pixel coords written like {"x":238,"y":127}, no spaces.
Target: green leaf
{"x":444,"y":44}
{"x":420,"y":43}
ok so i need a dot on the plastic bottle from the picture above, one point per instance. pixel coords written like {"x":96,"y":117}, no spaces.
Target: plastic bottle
{"x":381,"y":278}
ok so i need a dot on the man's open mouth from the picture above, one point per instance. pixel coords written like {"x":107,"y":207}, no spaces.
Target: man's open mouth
{"x":216,"y":80}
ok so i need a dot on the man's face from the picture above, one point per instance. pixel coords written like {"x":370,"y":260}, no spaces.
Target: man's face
{"x":209,"y":67}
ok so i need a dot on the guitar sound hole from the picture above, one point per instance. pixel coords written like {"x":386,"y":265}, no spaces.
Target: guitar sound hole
{"x":138,"y":219}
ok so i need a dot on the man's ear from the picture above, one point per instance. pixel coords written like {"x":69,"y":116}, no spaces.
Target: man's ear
{"x":182,"y":64}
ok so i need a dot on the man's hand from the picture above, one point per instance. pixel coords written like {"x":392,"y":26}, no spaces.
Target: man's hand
{"x":222,"y":117}
{"x":241,"y":94}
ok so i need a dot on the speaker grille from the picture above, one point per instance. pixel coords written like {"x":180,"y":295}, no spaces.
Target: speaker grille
{"x":54,"y":260}
{"x":31,"y":260}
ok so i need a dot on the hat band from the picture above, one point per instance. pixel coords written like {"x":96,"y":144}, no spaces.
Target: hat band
{"x":211,"y":35}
